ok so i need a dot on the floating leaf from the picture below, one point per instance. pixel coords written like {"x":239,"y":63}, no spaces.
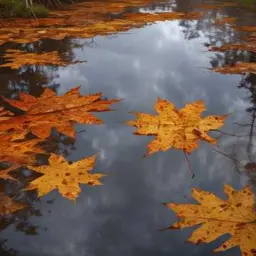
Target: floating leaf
{"x":237,"y":68}
{"x":181,"y":129}
{"x":51,"y":110}
{"x":17,"y":58}
{"x":235,"y":216}
{"x":64,"y":176}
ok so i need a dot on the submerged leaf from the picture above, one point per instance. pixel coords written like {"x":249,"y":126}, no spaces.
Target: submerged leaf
{"x":235,"y":216}
{"x":17,"y":59}
{"x":181,"y":129}
{"x":64,"y":176}
{"x":8,"y":205}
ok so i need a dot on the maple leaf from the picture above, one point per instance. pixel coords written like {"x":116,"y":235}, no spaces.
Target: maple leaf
{"x":237,"y":68}
{"x":18,"y":58}
{"x":8,"y":205}
{"x":51,"y":110}
{"x":181,"y":129}
{"x":235,"y":216}
{"x":64,"y":176}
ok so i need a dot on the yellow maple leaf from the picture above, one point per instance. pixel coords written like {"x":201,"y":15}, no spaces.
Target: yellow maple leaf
{"x":64,"y":176}
{"x":17,"y":58}
{"x":235,"y":216}
{"x":181,"y":129}
{"x":51,"y":110}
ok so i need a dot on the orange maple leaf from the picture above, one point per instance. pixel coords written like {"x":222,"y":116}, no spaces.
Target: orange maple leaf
{"x":181,"y":129}
{"x":51,"y":110}
{"x":17,"y":58}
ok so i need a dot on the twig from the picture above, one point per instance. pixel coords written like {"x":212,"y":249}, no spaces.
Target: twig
{"x":228,"y":156}
{"x":230,"y":134}
{"x":188,"y":164}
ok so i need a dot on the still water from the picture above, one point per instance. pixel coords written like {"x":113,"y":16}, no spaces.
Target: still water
{"x":123,"y":217}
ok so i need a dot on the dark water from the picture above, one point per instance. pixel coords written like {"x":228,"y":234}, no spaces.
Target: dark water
{"x":123,"y":217}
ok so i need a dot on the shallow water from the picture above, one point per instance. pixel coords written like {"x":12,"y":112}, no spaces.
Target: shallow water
{"x":123,"y":217}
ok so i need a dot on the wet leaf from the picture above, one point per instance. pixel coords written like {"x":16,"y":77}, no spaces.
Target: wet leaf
{"x":173,"y":128}
{"x":64,"y":176}
{"x":16,"y":59}
{"x":237,"y":68}
{"x":51,"y":110}
{"x":235,"y":216}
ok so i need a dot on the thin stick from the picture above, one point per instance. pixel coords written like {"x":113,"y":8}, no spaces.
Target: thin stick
{"x":188,"y":164}
{"x":230,"y":134}
{"x":228,"y":156}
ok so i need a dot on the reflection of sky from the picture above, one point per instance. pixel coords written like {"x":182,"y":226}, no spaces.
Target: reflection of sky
{"x":123,"y":216}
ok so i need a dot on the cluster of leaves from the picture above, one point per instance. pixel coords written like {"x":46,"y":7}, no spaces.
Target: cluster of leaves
{"x":84,"y":20}
{"x":182,"y":129}
{"x":39,"y":116}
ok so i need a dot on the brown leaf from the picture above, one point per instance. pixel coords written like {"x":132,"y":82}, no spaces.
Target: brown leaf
{"x":17,"y":58}
{"x":8,"y":205}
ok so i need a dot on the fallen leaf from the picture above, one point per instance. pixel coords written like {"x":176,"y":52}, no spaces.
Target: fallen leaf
{"x":17,"y":58}
{"x":235,"y":216}
{"x":181,"y":129}
{"x":51,"y":110}
{"x":237,"y":68}
{"x":64,"y":176}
